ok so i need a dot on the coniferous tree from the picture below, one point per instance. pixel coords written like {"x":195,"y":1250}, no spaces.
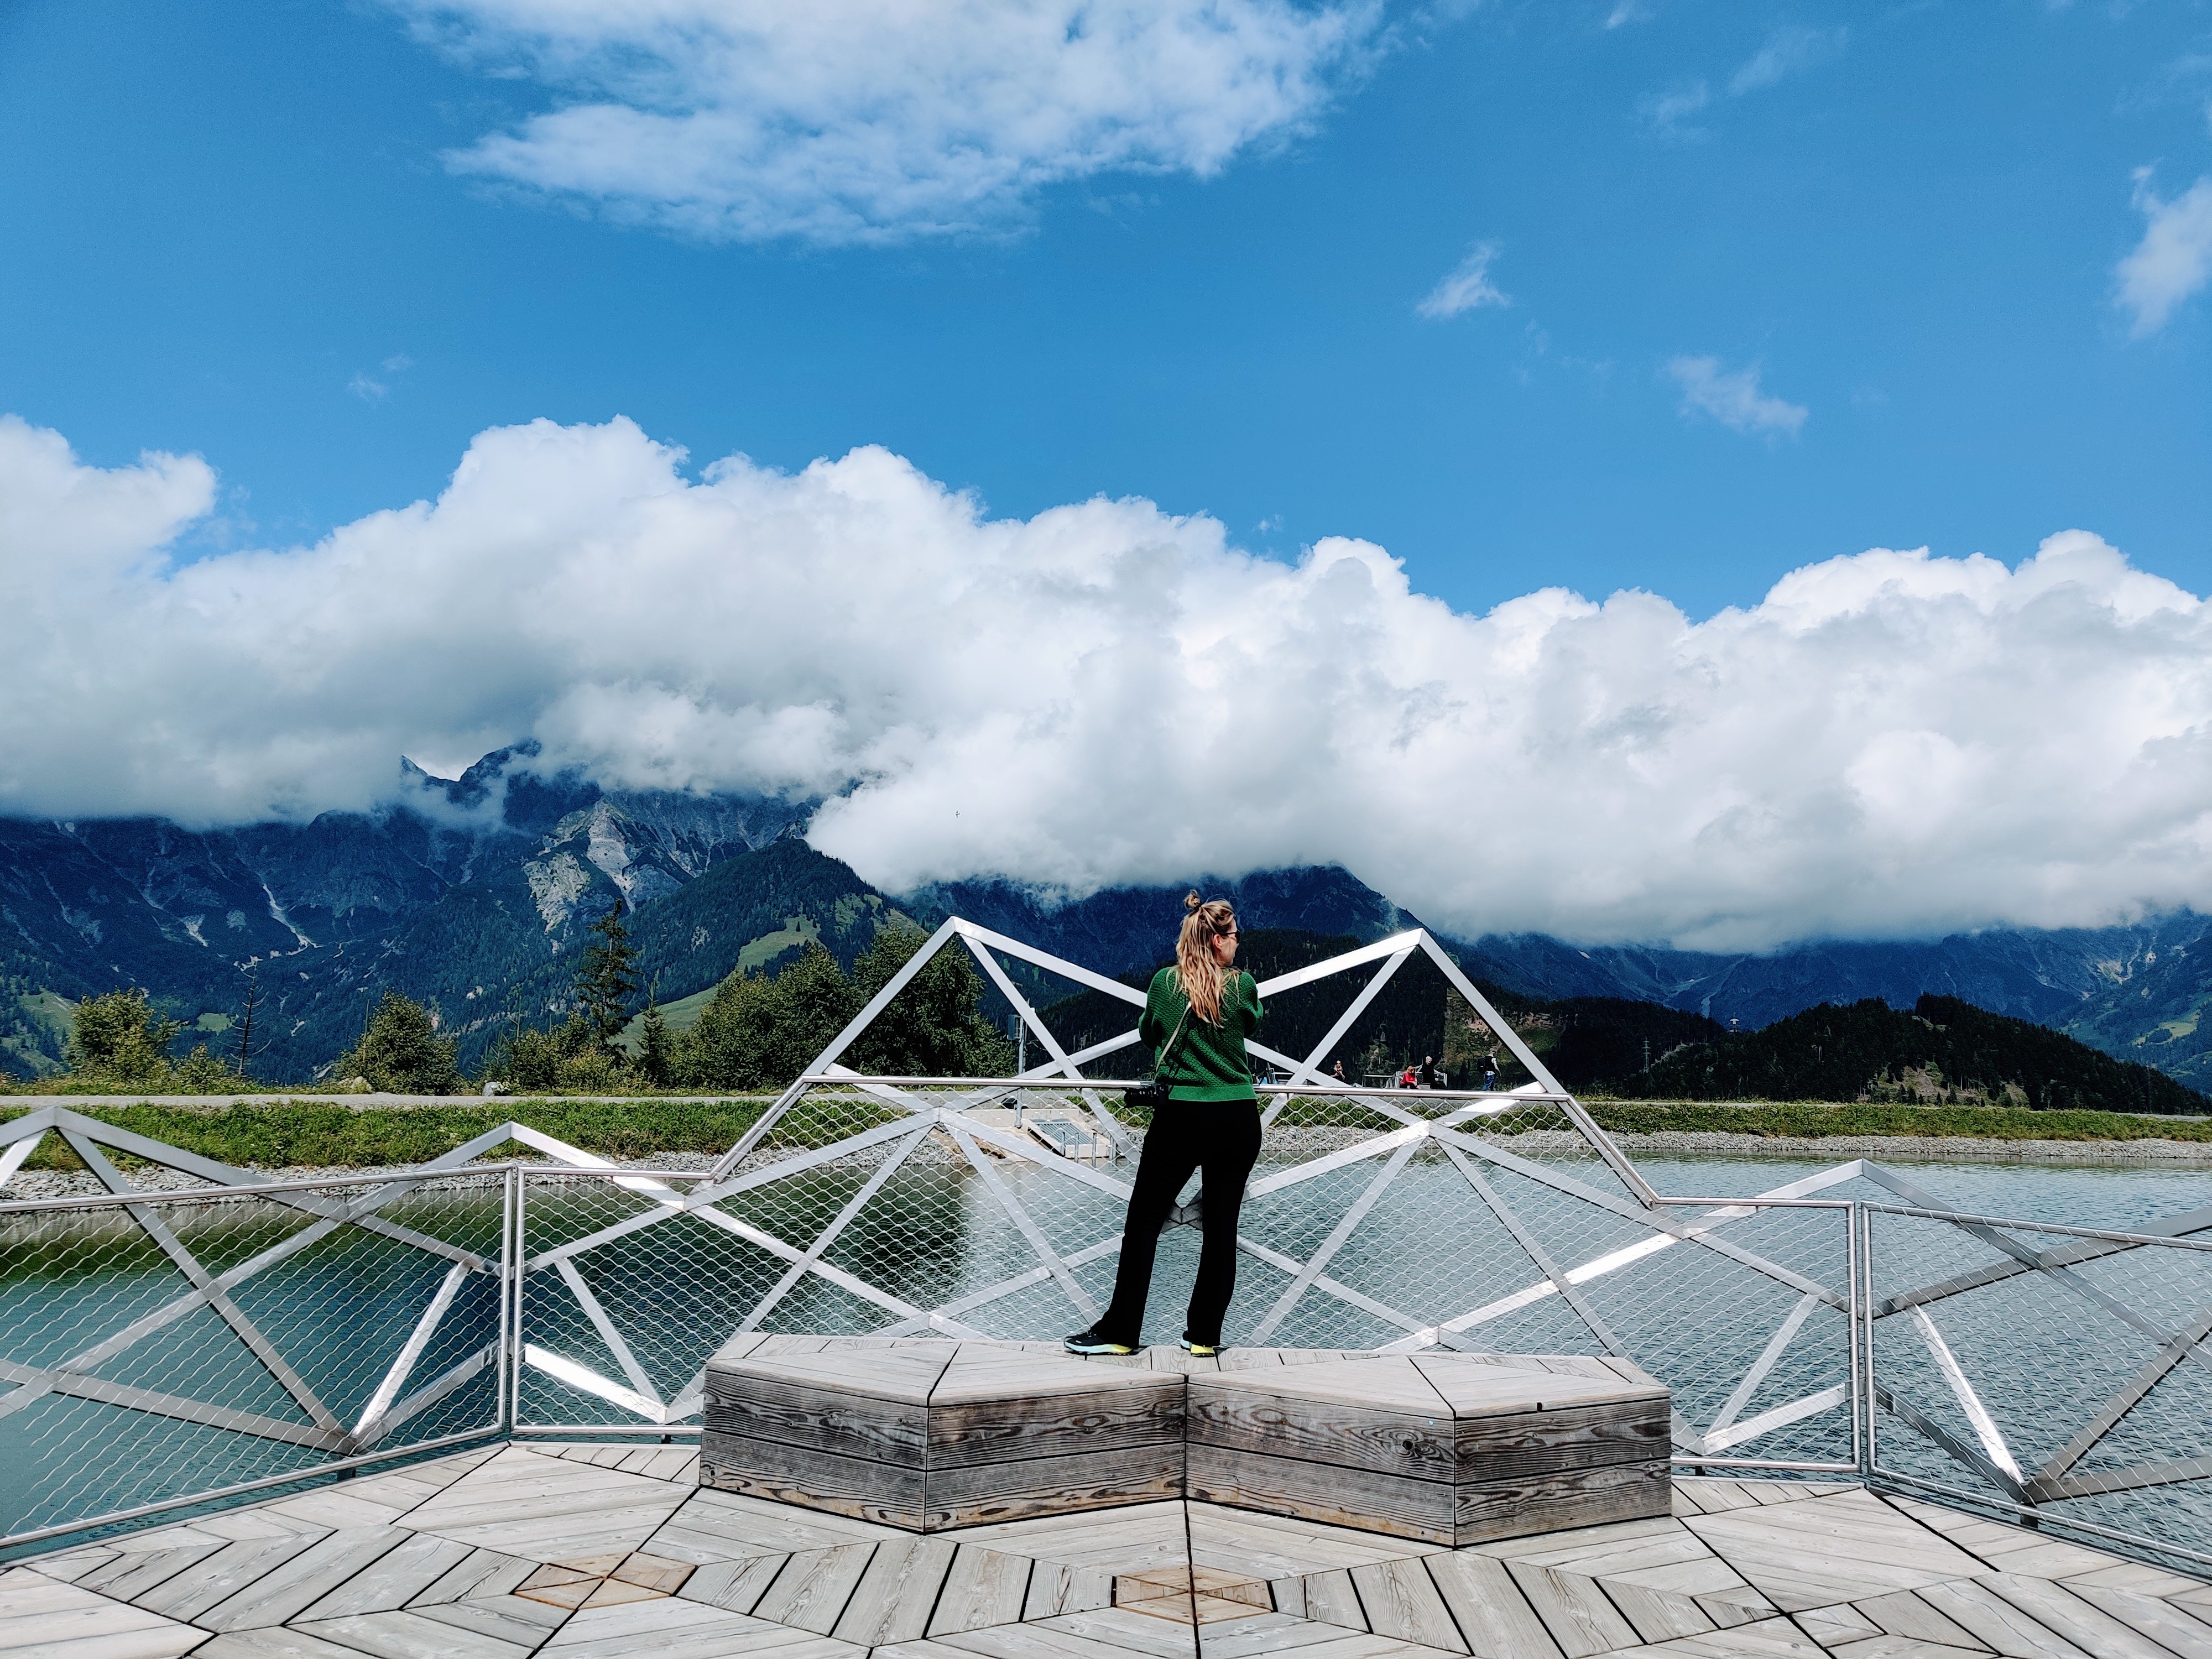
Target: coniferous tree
{"x":606,"y":980}
{"x":653,"y":1057}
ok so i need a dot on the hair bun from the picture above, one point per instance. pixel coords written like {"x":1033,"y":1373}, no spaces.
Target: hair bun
{"x":1191,"y":901}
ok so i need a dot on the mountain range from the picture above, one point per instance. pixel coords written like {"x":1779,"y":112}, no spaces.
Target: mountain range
{"x":473,"y":894}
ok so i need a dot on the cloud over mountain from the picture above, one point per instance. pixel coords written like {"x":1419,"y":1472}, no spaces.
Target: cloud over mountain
{"x":842,"y":121}
{"x":1888,"y":743}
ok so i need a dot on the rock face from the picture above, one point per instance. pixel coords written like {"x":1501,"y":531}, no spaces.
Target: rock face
{"x":473,"y":893}
{"x":458,"y":889}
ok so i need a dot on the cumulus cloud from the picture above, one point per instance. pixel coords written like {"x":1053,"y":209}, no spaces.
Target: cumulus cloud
{"x":1886,"y":744}
{"x":1466,"y":288}
{"x":1732,"y":396}
{"x":2173,"y":260}
{"x":1788,"y":51}
{"x":844,"y":121}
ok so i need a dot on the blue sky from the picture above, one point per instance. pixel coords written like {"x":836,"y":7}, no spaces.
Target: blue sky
{"x":238,"y":232}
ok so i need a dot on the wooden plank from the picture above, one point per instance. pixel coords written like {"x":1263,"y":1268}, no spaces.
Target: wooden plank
{"x":1381,"y":1383}
{"x":510,"y":1619}
{"x":1365,"y":1498}
{"x":1573,"y":1497}
{"x":1658,"y":1615}
{"x":992,"y":1428}
{"x":483,"y":1572}
{"x":291,"y":1587}
{"x":811,"y":1592}
{"x":895,"y":1596}
{"x":223,"y":1575}
{"x":2168,"y":1625}
{"x":1331,"y":1599}
{"x":1400,"y":1600}
{"x":1576,"y":1611}
{"x":1833,"y":1627}
{"x":1257,"y":1634}
{"x":1905,"y":1613}
{"x":70,"y":1566}
{"x":416,"y":1635}
{"x":1996,"y":1623}
{"x":282,"y":1642}
{"x":2090,"y":1628}
{"x":681,"y":1630}
{"x":1322,"y":1432}
{"x":43,"y":1618}
{"x":984,"y":1494}
{"x":127,"y":1578}
{"x":1503,"y":1445}
{"x":418,"y":1562}
{"x":981,"y":1372}
{"x":842,"y":1421}
{"x":1261,"y":1546}
{"x":1058,"y":1587}
{"x":1478,"y":1391}
{"x":750,"y":1526}
{"x":888,"y":1493}
{"x":984,"y":1587}
{"x":736,"y":1585}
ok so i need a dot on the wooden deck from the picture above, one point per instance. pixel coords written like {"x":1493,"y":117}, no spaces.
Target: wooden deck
{"x":614,"y":1552}
{"x":609,"y":1551}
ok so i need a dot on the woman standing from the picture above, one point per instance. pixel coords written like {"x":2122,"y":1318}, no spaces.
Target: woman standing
{"x":1197,"y":1017}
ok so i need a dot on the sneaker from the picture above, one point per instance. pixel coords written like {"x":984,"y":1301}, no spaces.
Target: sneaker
{"x":1202,"y":1349}
{"x":1091,"y":1341}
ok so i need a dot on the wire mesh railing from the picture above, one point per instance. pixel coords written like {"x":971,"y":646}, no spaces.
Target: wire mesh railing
{"x":164,"y":1349}
{"x":2055,"y":1374}
{"x":167,"y":1348}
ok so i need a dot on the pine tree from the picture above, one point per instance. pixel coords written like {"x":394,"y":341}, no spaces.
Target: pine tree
{"x":606,"y":979}
{"x":654,"y":1060}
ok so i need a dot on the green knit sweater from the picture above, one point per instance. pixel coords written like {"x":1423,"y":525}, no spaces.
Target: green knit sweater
{"x":1209,"y":1061}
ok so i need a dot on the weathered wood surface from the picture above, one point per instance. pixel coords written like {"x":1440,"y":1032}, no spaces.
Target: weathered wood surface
{"x":1866,"y":1577}
{"x":1448,"y":1447}
{"x":941,"y":1434}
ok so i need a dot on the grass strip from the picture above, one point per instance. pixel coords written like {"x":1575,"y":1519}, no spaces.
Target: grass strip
{"x":329,"y":1134}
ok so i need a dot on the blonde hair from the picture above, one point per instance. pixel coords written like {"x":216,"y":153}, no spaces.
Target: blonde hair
{"x":1203,"y":978}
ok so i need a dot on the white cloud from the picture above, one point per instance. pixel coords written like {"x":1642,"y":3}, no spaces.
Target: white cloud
{"x":1732,"y":396}
{"x":1888,"y":742}
{"x":1466,"y":288}
{"x":1788,"y":51}
{"x":843,"y":121}
{"x":2174,"y":259}
{"x":1668,"y":113}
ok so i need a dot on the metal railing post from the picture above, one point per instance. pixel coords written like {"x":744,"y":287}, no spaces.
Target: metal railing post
{"x":516,"y":1268}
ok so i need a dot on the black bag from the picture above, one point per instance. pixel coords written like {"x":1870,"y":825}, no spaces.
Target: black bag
{"x":1152,"y":1094}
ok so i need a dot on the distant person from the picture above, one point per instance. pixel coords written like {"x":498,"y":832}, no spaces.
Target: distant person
{"x":1340,"y":1077}
{"x":1489,"y":1070}
{"x":1428,"y":1071}
{"x":1407,"y":1078}
{"x":1197,"y":1015}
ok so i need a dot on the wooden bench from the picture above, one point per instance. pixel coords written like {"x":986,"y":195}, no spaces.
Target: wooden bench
{"x":1448,"y":1447}
{"x":932,"y":1435}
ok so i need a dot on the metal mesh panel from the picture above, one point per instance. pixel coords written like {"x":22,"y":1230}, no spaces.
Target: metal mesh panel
{"x":164,"y":1348}
{"x":2047,"y":1369}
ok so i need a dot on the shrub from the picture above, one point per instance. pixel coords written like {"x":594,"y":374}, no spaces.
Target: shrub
{"x":401,"y":1052}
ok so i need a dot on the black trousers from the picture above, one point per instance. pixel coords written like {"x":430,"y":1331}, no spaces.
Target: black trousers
{"x":1222,"y":1137}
